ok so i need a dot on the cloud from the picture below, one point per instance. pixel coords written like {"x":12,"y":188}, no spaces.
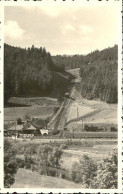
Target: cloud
{"x":67,"y":28}
{"x":52,"y":11}
{"x":84,"y":29}
{"x":62,"y":29}
{"x":13,"y":30}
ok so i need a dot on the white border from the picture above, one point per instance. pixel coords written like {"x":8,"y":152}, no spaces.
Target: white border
{"x":120,"y":136}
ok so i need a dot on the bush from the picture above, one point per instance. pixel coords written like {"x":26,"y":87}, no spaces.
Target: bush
{"x":64,"y":146}
{"x":113,"y":129}
{"x":93,"y":128}
{"x":10,"y":164}
{"x":19,"y":121}
{"x":55,"y":132}
{"x":84,"y":171}
{"x":27,"y":165}
{"x":107,"y":171}
{"x":20,"y":163}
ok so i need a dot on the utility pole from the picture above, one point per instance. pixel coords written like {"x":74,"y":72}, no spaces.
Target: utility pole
{"x":82,"y":124}
{"x":77,"y":113}
{"x":15,"y":130}
{"x":94,"y":111}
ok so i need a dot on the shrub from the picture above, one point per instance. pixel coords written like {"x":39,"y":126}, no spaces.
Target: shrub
{"x":10,"y":164}
{"x":19,"y":121}
{"x":113,"y":129}
{"x":55,"y":132}
{"x":20,"y":162}
{"x":64,"y":146}
{"x":84,"y":171}
{"x":107,"y":170}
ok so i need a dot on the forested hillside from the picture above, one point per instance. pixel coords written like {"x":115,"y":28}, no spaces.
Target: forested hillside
{"x":68,"y":62}
{"x":31,"y":72}
{"x":99,"y":75}
{"x":98,"y":71}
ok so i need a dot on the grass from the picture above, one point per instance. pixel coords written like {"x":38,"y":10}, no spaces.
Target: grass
{"x":33,"y":100}
{"x":91,"y":112}
{"x":13,"y":113}
{"x":28,"y":179}
{"x":95,"y":150}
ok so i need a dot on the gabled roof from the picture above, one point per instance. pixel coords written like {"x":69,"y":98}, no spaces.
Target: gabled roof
{"x":17,"y":128}
{"x":28,"y":126}
{"x":39,"y":123}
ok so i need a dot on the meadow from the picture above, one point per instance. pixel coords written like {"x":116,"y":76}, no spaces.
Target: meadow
{"x":26,"y":179}
{"x":43,"y":112}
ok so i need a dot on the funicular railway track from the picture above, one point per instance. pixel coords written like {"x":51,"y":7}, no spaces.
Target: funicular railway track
{"x":60,"y":118}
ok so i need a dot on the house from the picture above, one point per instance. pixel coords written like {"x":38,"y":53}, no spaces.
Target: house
{"x":28,"y":130}
{"x":15,"y":129}
{"x":41,"y":125}
{"x":35,"y":127}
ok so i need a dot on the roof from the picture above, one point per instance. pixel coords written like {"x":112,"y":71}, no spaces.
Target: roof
{"x":39,"y":123}
{"x":28,"y":126}
{"x":17,"y":128}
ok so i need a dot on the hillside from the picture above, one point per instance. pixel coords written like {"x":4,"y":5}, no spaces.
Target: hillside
{"x":31,"y":72}
{"x":27,"y":179}
{"x":98,"y":73}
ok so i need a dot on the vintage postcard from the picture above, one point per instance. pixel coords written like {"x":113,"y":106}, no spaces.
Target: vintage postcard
{"x":61,"y":96}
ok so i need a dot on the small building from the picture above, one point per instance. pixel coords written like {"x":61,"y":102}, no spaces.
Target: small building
{"x":41,"y":125}
{"x":44,"y":132}
{"x":28,"y":130}
{"x":36,"y":127}
{"x":15,"y":130}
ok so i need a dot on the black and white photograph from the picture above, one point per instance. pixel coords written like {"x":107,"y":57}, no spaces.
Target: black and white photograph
{"x":61,"y":96}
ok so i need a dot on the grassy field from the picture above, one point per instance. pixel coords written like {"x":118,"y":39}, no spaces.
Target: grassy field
{"x":43,"y":112}
{"x":28,"y":179}
{"x":33,"y":101}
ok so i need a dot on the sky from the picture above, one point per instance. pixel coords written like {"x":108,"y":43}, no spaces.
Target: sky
{"x":62,"y":29}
